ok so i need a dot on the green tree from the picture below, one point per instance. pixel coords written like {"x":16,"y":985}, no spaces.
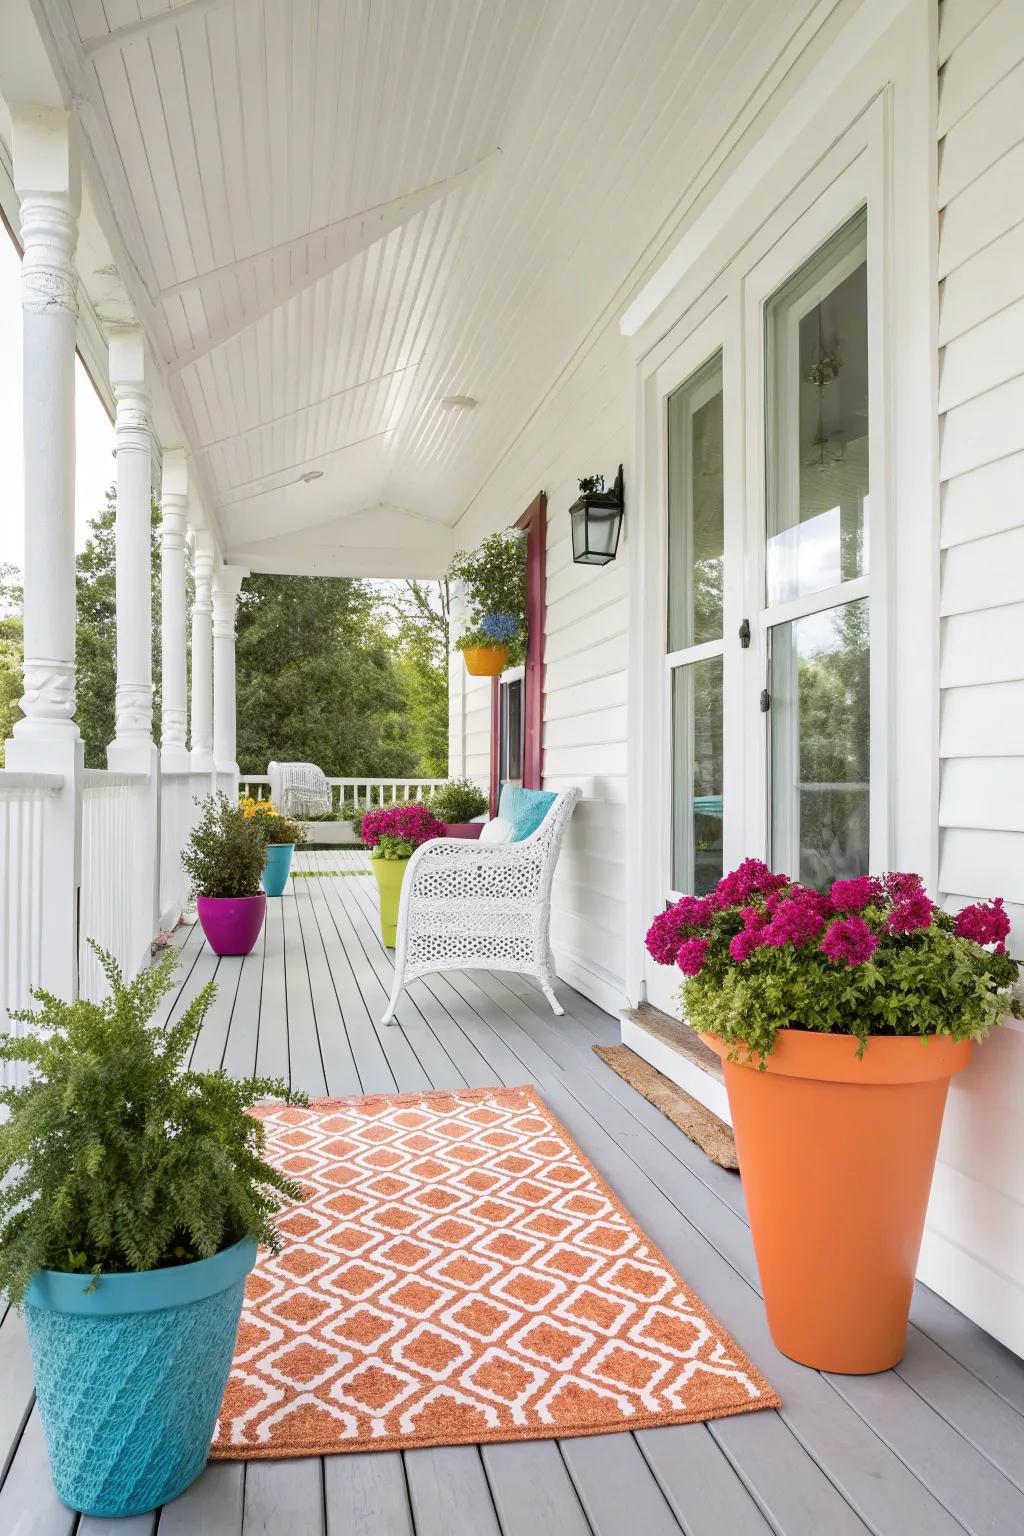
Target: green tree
{"x":318,"y":680}
{"x":418,"y":615}
{"x":11,"y":652}
{"x":96,"y":650}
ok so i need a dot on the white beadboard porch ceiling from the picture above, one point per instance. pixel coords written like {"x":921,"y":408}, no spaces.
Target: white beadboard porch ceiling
{"x":340,"y":211}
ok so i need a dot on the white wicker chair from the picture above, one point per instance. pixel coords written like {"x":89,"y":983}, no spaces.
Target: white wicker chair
{"x":486,"y":906}
{"x":299,"y":789}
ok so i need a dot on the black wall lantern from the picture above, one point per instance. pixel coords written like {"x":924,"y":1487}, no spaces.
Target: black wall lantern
{"x":596,"y":521}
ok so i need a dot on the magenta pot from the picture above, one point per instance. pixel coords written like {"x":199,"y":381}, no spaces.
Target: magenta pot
{"x":466,"y":829}
{"x":232,"y":923}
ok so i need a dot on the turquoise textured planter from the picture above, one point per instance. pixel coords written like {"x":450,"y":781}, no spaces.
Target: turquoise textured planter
{"x":277,"y":868}
{"x":129,"y":1377}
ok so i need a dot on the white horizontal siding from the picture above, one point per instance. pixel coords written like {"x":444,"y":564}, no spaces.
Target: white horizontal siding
{"x":982,"y":792}
{"x":983,"y":646}
{"x":973,"y":1249}
{"x":984,"y":500}
{"x":985,"y":573}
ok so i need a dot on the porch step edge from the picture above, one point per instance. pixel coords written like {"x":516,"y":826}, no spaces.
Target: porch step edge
{"x":678,"y":1053}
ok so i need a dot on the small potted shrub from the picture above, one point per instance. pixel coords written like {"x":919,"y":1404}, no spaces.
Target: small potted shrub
{"x":394,"y":833}
{"x":133,"y":1195}
{"x":224,"y":859}
{"x":282,"y":836}
{"x":455,"y":804}
{"x":493,"y":579}
{"x":840,"y":1019}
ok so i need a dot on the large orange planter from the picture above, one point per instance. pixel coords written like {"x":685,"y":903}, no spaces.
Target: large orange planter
{"x":836,"y":1157}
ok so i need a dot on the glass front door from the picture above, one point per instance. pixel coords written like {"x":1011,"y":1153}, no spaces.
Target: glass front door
{"x":769,"y":686}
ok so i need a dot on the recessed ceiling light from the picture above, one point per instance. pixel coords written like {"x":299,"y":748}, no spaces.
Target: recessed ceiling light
{"x":458,"y":402}
{"x":311,"y":474}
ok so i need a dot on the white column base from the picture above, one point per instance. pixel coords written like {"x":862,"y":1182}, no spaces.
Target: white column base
{"x":175,"y":759}
{"x":128,"y":755}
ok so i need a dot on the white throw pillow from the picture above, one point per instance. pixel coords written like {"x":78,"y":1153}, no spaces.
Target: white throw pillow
{"x":497,"y":831}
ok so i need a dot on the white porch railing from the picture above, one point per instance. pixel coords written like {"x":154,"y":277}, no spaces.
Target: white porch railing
{"x":23,"y":798}
{"x":354,"y":792}
{"x":113,"y":906}
{"x":178,"y":814}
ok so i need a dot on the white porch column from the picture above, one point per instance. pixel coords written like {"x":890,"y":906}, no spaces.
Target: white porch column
{"x":47,"y":739}
{"x":202,"y":656}
{"x":132,"y":750}
{"x":174,"y":757}
{"x":227,"y":580}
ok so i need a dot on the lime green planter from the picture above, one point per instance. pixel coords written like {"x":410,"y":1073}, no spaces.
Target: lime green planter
{"x":390,"y":874}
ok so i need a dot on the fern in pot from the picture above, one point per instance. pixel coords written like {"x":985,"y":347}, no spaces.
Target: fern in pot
{"x":224,"y":859}
{"x":133,"y":1195}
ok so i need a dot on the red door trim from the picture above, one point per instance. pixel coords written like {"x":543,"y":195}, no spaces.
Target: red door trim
{"x":495,"y":743}
{"x":535,"y":523}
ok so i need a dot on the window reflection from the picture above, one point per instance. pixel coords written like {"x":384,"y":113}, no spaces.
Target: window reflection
{"x":820,"y":743}
{"x":818,"y":469}
{"x":695,"y":502}
{"x":697,"y":776}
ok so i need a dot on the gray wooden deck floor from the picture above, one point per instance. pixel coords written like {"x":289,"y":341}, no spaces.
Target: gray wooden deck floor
{"x":935,"y":1448}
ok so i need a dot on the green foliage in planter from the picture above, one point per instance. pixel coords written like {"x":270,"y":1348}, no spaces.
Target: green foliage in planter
{"x":458,"y":801}
{"x":493,"y":578}
{"x":280,"y":829}
{"x":226,"y":852}
{"x":115,"y":1159}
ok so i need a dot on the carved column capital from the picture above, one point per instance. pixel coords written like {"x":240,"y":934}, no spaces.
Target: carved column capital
{"x":49,"y":233}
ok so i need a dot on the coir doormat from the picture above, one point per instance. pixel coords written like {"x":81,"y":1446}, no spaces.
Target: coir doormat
{"x":457,"y":1273}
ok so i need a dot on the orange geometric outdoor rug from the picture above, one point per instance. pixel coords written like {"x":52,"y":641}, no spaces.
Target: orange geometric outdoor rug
{"x":460,"y":1273}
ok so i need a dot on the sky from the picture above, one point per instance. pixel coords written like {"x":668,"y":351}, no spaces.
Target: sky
{"x":94,"y":464}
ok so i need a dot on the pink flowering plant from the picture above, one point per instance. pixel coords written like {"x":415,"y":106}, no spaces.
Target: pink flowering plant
{"x":396,"y":831}
{"x":872,"y":956}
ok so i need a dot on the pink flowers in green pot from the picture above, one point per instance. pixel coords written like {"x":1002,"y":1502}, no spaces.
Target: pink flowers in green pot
{"x":396,"y":831}
{"x":872,"y":956}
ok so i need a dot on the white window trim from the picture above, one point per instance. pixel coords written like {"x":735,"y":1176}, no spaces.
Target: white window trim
{"x":884,"y":92}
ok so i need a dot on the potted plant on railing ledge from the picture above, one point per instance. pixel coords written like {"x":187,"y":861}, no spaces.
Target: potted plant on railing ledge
{"x":281,"y":835}
{"x":455,"y":805}
{"x":224,"y":859}
{"x":493,"y":580}
{"x":394,"y":833}
{"x":840,"y":1019}
{"x":133,"y":1195}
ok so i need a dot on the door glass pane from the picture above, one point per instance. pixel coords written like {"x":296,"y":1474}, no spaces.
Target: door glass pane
{"x":817,"y":442}
{"x":820,"y":745}
{"x":697,"y":776}
{"x":695,"y":538}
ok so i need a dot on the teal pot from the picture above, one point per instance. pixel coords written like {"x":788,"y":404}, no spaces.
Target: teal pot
{"x":277,"y":868}
{"x":130,"y":1375}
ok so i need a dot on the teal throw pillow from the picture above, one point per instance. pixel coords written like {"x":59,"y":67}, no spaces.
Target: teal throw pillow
{"x":524,"y":808}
